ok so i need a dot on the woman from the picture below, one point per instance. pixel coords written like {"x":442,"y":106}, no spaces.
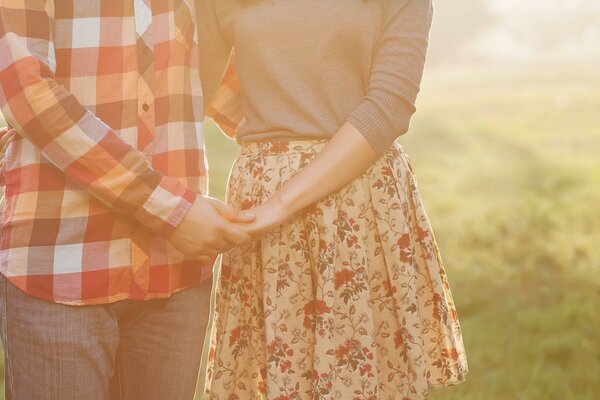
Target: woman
{"x":343,"y":294}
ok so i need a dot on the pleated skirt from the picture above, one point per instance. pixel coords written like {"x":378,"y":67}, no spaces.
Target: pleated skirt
{"x":349,"y":299}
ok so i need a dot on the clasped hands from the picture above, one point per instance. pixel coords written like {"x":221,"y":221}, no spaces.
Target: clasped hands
{"x":210,"y":227}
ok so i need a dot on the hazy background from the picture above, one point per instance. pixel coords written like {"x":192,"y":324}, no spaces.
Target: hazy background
{"x":506,"y":145}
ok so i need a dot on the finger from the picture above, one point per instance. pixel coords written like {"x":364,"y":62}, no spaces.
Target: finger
{"x":235,"y":235}
{"x":219,"y":241}
{"x":231,"y":213}
{"x":257,"y":232}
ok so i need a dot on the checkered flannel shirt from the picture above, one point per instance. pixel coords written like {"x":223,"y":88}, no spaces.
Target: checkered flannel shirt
{"x":106,"y":99}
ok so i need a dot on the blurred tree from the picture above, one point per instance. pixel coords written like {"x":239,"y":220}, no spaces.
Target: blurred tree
{"x":557,"y":30}
{"x":490,"y":31}
{"x":457,"y":23}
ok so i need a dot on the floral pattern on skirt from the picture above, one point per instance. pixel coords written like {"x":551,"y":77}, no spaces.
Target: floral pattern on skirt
{"x":348,"y":300}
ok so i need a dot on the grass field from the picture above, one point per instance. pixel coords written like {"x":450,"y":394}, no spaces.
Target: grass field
{"x":509,"y":170}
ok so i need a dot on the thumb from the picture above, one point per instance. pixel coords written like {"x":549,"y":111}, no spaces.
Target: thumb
{"x":231,"y":213}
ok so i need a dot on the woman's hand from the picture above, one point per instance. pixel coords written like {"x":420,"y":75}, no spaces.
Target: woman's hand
{"x":344,"y":158}
{"x":269,"y":216}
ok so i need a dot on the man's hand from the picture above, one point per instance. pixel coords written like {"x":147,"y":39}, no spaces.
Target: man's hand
{"x":209,"y":228}
{"x":268,"y":216}
{"x":5,"y":138}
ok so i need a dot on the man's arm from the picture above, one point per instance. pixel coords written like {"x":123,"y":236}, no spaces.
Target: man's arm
{"x":78,"y":143}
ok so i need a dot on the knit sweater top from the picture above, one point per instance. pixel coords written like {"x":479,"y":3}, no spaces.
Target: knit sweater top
{"x":306,"y":67}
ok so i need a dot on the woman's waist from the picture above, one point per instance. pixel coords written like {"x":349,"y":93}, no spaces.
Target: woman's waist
{"x":252,"y":134}
{"x":282,"y":141}
{"x":277,"y":147}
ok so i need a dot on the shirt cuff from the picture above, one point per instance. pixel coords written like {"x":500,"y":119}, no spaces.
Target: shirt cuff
{"x":166,"y":206}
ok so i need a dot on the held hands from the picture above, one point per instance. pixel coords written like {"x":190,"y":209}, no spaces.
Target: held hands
{"x":210,"y":228}
{"x":268,"y":216}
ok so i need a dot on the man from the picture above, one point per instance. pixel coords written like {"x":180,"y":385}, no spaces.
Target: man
{"x":106,"y":247}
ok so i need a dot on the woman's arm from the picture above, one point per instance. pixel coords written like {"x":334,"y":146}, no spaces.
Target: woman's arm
{"x":344,"y":158}
{"x":383,"y":115}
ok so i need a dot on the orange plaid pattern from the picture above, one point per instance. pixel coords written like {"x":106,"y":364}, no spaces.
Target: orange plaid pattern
{"x":226,"y":109}
{"x":109,"y":155}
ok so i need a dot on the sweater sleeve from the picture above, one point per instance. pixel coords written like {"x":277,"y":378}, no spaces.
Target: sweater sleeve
{"x":214,"y":51}
{"x":396,"y":72}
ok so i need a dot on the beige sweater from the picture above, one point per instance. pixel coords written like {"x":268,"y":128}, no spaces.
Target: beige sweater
{"x":308,"y":66}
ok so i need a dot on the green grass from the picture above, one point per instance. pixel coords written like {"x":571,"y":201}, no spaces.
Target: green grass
{"x":509,"y":170}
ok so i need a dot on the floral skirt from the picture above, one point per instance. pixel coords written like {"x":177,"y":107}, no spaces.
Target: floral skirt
{"x":347,"y":300}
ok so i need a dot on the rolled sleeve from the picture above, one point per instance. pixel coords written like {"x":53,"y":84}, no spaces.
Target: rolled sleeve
{"x":396,"y":73}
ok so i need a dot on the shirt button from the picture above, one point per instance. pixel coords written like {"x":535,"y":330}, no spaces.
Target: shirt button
{"x":145,"y":107}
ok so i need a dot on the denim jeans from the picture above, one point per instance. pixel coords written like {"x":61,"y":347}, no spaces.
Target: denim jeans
{"x":129,"y":350}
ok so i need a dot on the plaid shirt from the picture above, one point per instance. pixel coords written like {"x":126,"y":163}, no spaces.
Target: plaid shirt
{"x":105,"y":96}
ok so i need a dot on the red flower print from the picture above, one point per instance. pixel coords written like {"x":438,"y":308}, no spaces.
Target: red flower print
{"x":366,"y":370}
{"x":353,"y":355}
{"x":342,"y":350}
{"x":389,"y":289}
{"x":450,"y":353}
{"x":405,"y":256}
{"x":399,"y":338}
{"x":285,"y":366}
{"x":352,"y":241}
{"x":278,"y":354}
{"x":235,"y":334}
{"x":247,"y":204}
{"x":257,"y":172}
{"x":422,"y":233}
{"x":387,"y":171}
{"x":342,"y":277}
{"x":280,"y":147}
{"x":404,"y":241}
{"x":438,"y":306}
{"x":313,"y":311}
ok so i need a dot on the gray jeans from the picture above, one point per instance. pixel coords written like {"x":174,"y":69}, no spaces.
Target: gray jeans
{"x":129,"y":350}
